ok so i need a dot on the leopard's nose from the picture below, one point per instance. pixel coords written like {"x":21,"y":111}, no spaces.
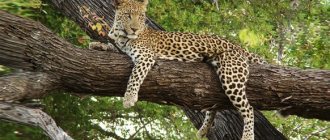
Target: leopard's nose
{"x":134,"y":29}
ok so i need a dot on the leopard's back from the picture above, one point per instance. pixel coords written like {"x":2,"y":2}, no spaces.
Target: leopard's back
{"x":190,"y":47}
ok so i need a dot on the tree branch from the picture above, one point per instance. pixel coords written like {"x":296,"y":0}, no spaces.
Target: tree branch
{"x":35,"y":117}
{"x":25,"y":85}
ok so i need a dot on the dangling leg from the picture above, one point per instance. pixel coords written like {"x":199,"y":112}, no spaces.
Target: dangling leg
{"x":233,"y":72}
{"x":143,"y":61}
{"x":207,"y":124}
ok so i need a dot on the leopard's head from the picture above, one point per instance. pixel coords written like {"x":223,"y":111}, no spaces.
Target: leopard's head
{"x":129,"y":18}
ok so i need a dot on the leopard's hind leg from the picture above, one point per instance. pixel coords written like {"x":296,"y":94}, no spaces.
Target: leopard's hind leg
{"x":207,"y":124}
{"x":232,"y":69}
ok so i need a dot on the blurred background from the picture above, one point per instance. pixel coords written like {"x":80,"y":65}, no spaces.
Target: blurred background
{"x":291,"y":33}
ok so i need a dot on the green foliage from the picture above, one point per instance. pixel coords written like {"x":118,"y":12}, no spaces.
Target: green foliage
{"x":25,"y":8}
{"x":64,"y":27}
{"x":253,"y":24}
{"x":250,"y":38}
{"x":12,"y":131}
{"x":39,"y":11}
{"x":299,"y":128}
{"x":147,"y":120}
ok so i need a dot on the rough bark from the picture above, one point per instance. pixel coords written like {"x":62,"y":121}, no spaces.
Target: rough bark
{"x":26,"y":85}
{"x":33,"y":47}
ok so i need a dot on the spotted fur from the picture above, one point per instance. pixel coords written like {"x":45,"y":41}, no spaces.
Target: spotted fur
{"x":144,"y":45}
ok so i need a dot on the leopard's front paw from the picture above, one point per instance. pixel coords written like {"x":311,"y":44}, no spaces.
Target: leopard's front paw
{"x":97,"y":46}
{"x":130,"y":100}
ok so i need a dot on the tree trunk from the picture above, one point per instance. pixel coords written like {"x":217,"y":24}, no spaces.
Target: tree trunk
{"x":32,"y":47}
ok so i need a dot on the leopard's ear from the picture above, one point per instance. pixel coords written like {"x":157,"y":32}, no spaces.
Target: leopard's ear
{"x":145,"y":2}
{"x":117,"y":3}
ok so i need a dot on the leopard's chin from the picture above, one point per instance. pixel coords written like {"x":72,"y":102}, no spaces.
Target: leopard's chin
{"x":132,"y":36}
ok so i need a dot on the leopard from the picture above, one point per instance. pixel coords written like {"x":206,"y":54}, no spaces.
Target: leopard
{"x":144,"y":45}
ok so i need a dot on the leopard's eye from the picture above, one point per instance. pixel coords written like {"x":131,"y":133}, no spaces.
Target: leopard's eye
{"x":128,"y":15}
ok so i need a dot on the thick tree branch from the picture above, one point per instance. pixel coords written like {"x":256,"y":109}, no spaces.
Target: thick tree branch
{"x":25,"y":85}
{"x":224,"y":124}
